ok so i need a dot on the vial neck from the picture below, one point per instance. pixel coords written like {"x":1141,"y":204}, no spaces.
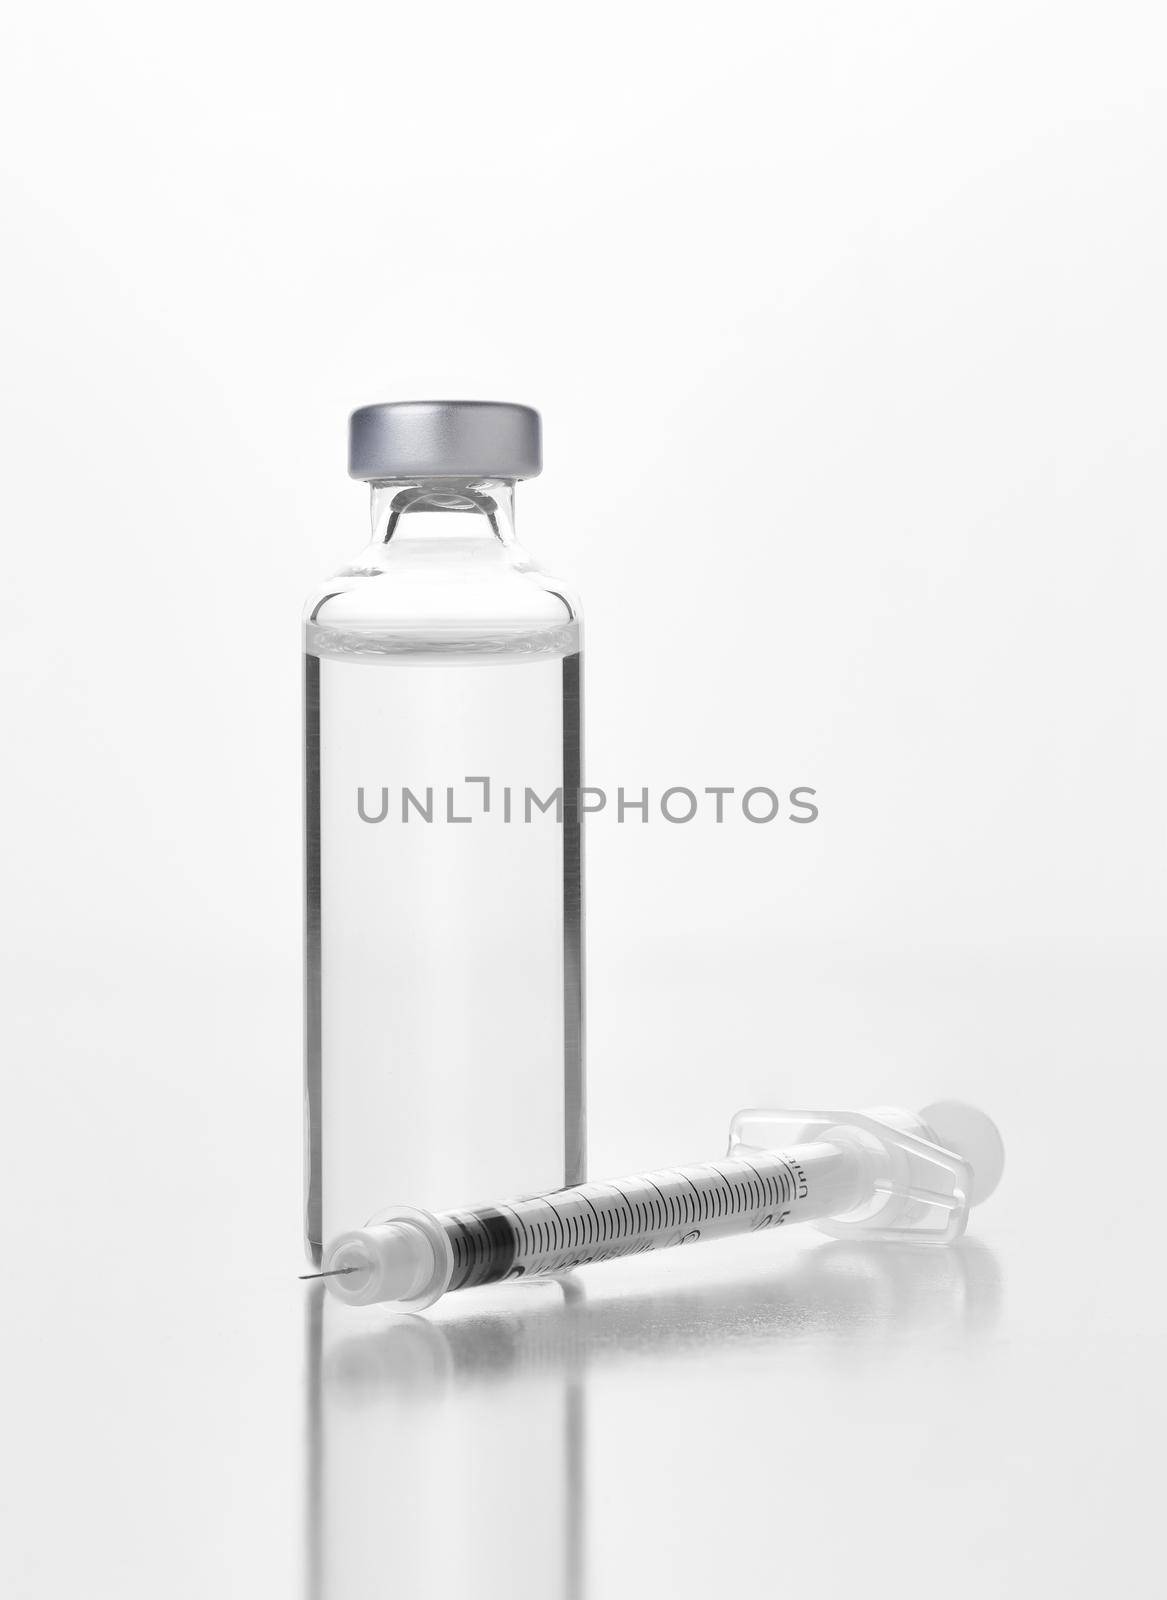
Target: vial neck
{"x":440,"y":508}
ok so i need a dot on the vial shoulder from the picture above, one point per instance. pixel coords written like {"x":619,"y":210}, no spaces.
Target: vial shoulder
{"x":480,"y":599}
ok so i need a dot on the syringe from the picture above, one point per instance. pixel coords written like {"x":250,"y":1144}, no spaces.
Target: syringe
{"x":882,"y":1174}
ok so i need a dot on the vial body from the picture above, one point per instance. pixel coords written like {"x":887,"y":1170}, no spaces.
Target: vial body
{"x":444,"y":918}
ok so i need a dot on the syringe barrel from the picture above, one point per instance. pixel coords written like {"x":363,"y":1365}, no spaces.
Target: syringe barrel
{"x":652,"y":1211}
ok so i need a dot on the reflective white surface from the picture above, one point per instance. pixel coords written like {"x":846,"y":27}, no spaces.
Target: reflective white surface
{"x":184,"y":1417}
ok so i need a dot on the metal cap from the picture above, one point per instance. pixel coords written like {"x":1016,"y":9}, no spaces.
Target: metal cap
{"x":445,"y":439}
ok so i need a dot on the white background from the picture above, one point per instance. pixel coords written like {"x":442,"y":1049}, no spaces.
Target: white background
{"x":847,"y":325}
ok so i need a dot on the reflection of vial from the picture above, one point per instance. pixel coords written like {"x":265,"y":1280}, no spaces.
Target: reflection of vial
{"x":422,"y":1435}
{"x":444,"y":1050}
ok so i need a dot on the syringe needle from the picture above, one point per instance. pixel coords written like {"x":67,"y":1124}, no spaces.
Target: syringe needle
{"x":337,"y":1272}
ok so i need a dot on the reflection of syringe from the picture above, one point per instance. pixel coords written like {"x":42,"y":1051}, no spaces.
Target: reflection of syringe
{"x":882,"y":1174}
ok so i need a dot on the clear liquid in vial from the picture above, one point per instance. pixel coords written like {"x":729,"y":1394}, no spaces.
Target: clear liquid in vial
{"x":444,"y":1061}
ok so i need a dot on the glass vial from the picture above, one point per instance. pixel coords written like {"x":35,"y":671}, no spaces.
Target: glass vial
{"x":444,"y":948}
